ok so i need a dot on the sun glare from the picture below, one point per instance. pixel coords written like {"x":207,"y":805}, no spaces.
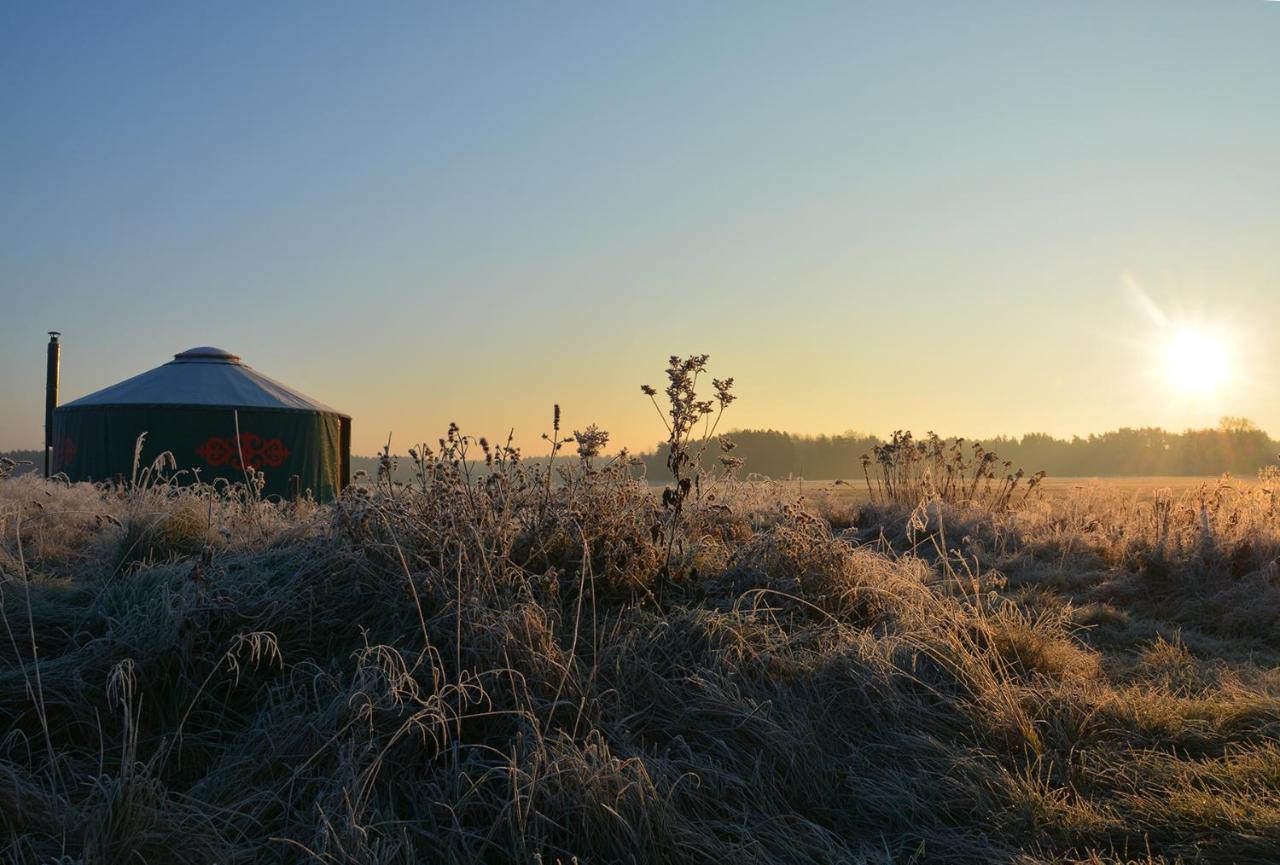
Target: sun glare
{"x":1197,"y":360}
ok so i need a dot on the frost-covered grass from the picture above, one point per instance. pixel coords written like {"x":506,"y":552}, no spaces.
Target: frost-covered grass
{"x":499,"y":669}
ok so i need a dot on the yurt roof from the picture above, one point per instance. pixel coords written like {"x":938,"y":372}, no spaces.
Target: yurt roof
{"x":203,"y":376}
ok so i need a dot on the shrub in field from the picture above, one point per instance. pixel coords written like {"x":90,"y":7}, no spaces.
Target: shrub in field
{"x":691,"y":424}
{"x":908,"y":471}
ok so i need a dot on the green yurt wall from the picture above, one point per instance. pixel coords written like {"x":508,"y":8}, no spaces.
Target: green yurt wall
{"x":219,"y":418}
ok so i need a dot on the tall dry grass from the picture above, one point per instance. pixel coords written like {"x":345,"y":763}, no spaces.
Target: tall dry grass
{"x":503,"y":666}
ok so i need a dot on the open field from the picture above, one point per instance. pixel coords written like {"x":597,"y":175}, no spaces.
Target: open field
{"x":505,"y":670}
{"x":1146,"y":487}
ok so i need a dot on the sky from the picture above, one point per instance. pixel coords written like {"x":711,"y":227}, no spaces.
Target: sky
{"x":978,"y":218}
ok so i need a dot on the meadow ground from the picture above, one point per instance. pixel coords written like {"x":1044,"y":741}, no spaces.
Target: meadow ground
{"x":856,"y":492}
{"x":506,"y":669}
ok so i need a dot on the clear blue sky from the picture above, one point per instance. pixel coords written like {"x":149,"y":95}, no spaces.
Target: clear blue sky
{"x":873,"y":214}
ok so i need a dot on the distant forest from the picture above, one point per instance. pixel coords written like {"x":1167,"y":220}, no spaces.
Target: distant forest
{"x":1236,"y":445}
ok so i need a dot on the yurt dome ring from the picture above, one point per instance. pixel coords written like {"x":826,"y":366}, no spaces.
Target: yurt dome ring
{"x":218,"y":416}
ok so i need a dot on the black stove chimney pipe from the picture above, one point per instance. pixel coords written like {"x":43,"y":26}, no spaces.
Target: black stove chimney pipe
{"x":51,"y":398}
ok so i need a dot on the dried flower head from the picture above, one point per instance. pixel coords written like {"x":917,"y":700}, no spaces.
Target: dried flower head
{"x":590,"y":441}
{"x":723,"y":388}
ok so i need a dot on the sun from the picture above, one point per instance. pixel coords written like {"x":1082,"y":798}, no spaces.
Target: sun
{"x":1196,"y":359}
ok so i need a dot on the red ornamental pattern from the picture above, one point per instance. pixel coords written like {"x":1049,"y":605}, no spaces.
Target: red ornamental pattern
{"x":258,"y":452}
{"x":64,"y":451}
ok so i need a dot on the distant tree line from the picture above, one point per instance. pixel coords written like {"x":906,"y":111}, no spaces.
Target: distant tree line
{"x":1236,"y":445}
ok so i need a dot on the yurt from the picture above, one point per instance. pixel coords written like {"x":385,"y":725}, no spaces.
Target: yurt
{"x":217,"y":416}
